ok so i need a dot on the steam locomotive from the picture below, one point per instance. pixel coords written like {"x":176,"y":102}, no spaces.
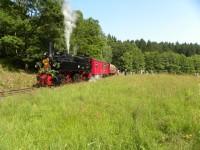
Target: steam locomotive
{"x":62,"y":68}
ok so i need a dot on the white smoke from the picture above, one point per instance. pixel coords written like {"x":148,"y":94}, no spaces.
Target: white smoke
{"x":70,"y":18}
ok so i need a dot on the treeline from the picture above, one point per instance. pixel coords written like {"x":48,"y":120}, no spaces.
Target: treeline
{"x":132,"y":56}
{"x":184,"y":48}
{"x":27,"y":27}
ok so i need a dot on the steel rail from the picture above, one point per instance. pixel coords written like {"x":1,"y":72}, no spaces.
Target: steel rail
{"x":15,"y":91}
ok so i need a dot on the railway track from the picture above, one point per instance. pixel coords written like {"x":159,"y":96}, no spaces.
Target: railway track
{"x":20,"y":91}
{"x":14,"y":92}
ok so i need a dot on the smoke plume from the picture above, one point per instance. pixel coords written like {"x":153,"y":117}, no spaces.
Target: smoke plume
{"x":69,"y":22}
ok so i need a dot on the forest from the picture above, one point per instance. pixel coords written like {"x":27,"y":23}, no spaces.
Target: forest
{"x":27,"y":27}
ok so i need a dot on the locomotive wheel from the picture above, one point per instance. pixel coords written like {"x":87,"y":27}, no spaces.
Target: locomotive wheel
{"x":76,"y":77}
{"x":57,"y":80}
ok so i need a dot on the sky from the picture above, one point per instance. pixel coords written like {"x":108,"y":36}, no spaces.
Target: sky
{"x":155,"y":20}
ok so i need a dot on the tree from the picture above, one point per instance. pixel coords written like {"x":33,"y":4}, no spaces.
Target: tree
{"x":196,"y":62}
{"x":141,"y":44}
{"x":130,"y":57}
{"x":88,"y":39}
{"x":11,"y":39}
{"x":27,"y":27}
{"x":173,"y":65}
{"x":11,"y":45}
{"x":138,"y":60}
{"x":50,"y":26}
{"x":127,"y":61}
{"x":150,"y":61}
{"x":187,"y":65}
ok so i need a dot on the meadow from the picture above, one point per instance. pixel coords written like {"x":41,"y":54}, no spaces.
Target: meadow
{"x":124,"y":112}
{"x":12,"y":78}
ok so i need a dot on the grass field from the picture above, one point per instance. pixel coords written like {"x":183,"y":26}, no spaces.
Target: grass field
{"x":133,"y":112}
{"x":11,"y":78}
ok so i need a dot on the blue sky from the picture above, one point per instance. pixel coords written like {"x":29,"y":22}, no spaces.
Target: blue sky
{"x":156,"y":20}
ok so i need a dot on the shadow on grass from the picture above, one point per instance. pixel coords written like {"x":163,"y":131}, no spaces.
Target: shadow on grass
{"x":11,"y":64}
{"x":17,"y":65}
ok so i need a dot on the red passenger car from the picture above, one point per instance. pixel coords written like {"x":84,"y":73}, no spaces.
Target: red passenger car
{"x":99,"y":68}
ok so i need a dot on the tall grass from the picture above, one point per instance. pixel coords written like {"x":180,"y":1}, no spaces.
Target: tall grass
{"x":14,"y":79}
{"x":133,"y":112}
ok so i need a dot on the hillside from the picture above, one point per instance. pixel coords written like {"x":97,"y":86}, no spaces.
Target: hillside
{"x":11,"y":78}
{"x":134,"y":112}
